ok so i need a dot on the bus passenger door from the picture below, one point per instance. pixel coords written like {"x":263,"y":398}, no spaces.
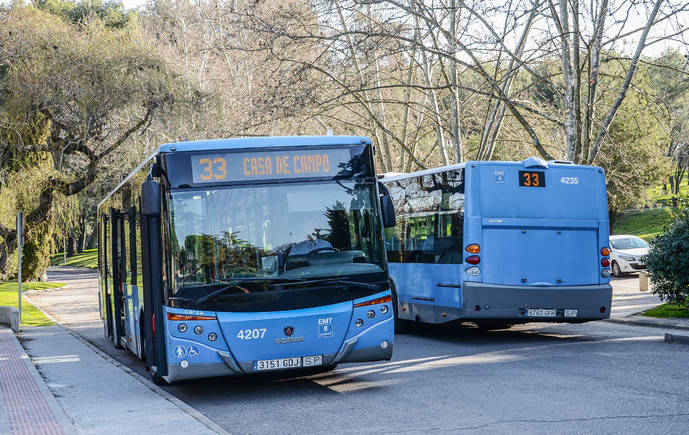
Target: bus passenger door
{"x":117,"y":278}
{"x":106,"y":291}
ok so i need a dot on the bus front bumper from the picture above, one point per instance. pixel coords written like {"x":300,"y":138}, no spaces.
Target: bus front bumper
{"x":521,"y":304}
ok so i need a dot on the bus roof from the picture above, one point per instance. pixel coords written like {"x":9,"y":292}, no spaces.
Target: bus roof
{"x":393,"y":176}
{"x":261,"y":142}
{"x":242,"y":142}
{"x":528,"y":162}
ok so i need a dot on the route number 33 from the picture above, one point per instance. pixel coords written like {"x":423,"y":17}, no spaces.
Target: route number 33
{"x":215,"y":168}
{"x":251,"y":334}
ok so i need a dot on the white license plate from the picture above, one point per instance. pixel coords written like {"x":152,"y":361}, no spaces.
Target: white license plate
{"x":570,"y":313}
{"x":316,"y":360}
{"x":539,"y":312}
{"x":288,"y":363}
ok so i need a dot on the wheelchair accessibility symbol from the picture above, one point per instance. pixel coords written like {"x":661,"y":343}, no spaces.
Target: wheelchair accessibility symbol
{"x":193,"y":351}
{"x":180,"y":351}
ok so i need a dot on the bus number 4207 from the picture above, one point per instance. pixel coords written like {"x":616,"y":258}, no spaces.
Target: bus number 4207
{"x":251,"y":334}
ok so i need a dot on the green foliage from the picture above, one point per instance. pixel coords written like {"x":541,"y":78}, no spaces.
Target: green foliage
{"x":70,"y":96}
{"x":646,"y":223}
{"x":88,"y":258}
{"x":681,"y":209}
{"x":31,"y":316}
{"x":668,"y":311}
{"x":668,"y":263}
{"x":110,"y":12}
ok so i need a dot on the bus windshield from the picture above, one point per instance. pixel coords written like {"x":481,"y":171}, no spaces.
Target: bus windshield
{"x":272,"y":233}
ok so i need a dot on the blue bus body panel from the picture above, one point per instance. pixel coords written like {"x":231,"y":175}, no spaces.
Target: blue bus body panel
{"x":422,"y":286}
{"x":328,"y":331}
{"x":547,"y":236}
{"x":262,"y":142}
{"x":320,"y":330}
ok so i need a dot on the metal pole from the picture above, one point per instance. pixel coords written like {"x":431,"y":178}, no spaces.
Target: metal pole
{"x":64,"y":248}
{"x":20,"y":243}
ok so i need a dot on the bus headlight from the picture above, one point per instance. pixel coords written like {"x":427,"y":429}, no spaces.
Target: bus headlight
{"x":473,"y":271}
{"x":182,"y":327}
{"x":371,"y":314}
{"x":384,"y":309}
{"x":198,"y":330}
{"x":212,"y":336}
{"x":359,"y":323}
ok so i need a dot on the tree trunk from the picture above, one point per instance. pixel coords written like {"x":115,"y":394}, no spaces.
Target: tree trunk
{"x":71,"y":246}
{"x":81,"y":240}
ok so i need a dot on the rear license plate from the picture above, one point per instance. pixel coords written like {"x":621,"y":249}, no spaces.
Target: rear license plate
{"x":288,"y":363}
{"x":570,"y":313}
{"x":539,"y":312}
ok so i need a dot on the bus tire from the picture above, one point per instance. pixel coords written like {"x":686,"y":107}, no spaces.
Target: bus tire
{"x":491,"y":325}
{"x":401,"y":326}
{"x":158,"y":380}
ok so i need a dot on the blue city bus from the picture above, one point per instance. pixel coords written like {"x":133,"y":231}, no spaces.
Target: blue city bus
{"x":234,"y":256}
{"x":500,"y":243}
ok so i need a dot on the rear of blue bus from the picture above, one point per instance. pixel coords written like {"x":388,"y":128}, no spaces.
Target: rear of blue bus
{"x":535,"y":243}
{"x":274,"y":257}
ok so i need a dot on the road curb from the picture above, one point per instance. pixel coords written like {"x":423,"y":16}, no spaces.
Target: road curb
{"x":676,"y":339}
{"x":648,"y":323}
{"x":210,"y":424}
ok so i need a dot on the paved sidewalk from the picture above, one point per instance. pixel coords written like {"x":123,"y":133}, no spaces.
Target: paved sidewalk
{"x":26,"y":405}
{"x":100,"y":395}
{"x":629,"y":302}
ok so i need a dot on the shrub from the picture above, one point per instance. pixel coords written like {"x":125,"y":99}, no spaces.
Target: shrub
{"x":668,"y":262}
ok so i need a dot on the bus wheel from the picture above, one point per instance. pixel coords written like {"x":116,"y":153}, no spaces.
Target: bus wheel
{"x":158,"y":380}
{"x":401,"y":326}
{"x":491,"y":325}
{"x":616,"y":271}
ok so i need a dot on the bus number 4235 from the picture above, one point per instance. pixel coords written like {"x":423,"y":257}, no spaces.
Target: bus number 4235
{"x":569,"y":180}
{"x":251,"y":334}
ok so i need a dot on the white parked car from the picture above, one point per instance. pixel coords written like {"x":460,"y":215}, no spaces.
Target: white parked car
{"x":626,"y":254}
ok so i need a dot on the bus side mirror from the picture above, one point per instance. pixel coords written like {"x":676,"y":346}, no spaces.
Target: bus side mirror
{"x":387,"y":208}
{"x":150,"y":198}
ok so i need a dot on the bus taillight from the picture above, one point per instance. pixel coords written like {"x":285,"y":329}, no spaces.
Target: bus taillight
{"x":605,"y":262}
{"x":604,"y":252}
{"x":473,"y":248}
{"x":473,"y":259}
{"x":374,"y":301}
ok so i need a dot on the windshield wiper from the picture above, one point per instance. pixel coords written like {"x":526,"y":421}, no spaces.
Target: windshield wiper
{"x":235,"y":283}
{"x":337,"y":281}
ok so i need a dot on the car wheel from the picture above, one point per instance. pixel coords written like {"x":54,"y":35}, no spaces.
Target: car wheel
{"x":616,"y":271}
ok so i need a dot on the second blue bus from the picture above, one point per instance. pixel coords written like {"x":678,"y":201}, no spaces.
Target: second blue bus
{"x":499,"y":243}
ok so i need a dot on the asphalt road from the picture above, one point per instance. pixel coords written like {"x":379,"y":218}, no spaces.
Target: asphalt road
{"x":596,"y":377}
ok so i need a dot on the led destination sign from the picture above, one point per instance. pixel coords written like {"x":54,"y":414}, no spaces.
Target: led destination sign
{"x":267,"y":165}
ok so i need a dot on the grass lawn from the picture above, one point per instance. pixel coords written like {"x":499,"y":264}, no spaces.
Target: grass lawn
{"x":31,"y":316}
{"x":666,"y":311}
{"x":646,"y":223}
{"x":88,"y":258}
{"x":657,"y":194}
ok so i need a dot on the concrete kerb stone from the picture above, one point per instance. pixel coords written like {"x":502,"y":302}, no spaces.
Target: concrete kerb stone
{"x":58,"y":412}
{"x":649,"y":322}
{"x":676,"y":339}
{"x":210,"y":424}
{"x":10,"y":316}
